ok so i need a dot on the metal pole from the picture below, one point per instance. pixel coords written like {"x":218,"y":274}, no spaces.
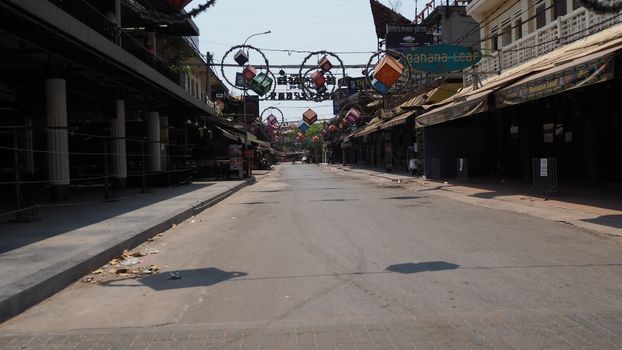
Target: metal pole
{"x":245,"y":135}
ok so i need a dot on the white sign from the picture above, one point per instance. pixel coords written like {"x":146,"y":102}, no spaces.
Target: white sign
{"x":544,"y":167}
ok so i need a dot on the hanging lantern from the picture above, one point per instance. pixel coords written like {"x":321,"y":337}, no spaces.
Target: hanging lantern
{"x":241,"y":58}
{"x":303,"y":127}
{"x":324,"y":132}
{"x":325,"y":64}
{"x":353,"y":116}
{"x":271,"y":119}
{"x":388,"y":70}
{"x":249,"y":72}
{"x":309,"y":118}
{"x":316,"y":139}
{"x":342,"y":124}
{"x":309,"y":115}
{"x":261,"y":84}
{"x":322,"y":89}
{"x":300,"y":136}
{"x":380,"y":87}
{"x":318,"y":78}
{"x":332,"y":128}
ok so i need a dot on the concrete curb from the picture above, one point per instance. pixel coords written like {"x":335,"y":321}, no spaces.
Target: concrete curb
{"x":56,"y":278}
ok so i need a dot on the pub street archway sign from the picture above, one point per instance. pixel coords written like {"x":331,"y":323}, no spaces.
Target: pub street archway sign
{"x":442,"y":58}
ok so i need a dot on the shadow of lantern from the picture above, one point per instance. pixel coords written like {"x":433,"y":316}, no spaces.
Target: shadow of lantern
{"x":408,"y":268}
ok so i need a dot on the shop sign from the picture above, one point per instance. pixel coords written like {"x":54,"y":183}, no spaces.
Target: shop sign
{"x":404,"y":38}
{"x":585,"y":74}
{"x":442,"y":58}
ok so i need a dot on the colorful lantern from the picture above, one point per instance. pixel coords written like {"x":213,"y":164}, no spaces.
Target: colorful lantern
{"x":353,"y":116}
{"x":325,"y":64}
{"x":300,"y":136}
{"x":303,"y":127}
{"x":332,"y":128}
{"x":316,"y":139}
{"x":318,"y":79}
{"x":342,"y":124}
{"x":261,"y":84}
{"x":309,"y":118}
{"x":380,"y":87}
{"x":241,"y":58}
{"x":249,"y":72}
{"x":271,"y":119}
{"x":309,"y":115}
{"x":388,"y":70}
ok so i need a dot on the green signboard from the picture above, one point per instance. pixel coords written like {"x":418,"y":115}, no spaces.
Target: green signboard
{"x":442,"y":58}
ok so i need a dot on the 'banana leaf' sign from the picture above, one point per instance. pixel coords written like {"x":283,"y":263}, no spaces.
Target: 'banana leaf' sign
{"x":442,"y":58}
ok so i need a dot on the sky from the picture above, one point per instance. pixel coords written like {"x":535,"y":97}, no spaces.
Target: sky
{"x":330,"y":25}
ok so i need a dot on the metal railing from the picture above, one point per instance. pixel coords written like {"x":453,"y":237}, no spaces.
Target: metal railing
{"x":564,"y":30}
{"x":97,"y":21}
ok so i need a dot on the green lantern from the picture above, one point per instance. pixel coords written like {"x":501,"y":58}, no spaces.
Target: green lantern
{"x":261,"y":84}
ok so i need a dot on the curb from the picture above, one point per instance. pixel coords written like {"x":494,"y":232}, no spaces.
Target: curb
{"x":96,"y":257}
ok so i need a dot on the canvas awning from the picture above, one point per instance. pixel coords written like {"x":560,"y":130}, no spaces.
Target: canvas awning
{"x":459,"y":108}
{"x":588,"y":70}
{"x":370,"y":128}
{"x":397,"y":120}
{"x":229,"y":135}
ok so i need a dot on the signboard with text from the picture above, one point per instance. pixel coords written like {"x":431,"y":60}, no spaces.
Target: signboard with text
{"x":404,"y":38}
{"x":442,"y":58}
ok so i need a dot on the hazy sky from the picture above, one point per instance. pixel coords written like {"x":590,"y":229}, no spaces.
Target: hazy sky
{"x":331,"y":25}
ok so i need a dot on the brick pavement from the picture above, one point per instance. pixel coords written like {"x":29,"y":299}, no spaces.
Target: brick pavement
{"x":502,"y":330}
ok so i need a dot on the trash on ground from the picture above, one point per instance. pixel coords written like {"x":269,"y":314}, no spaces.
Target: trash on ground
{"x":173,"y":275}
{"x":98,"y":271}
{"x":151,"y":251}
{"x":192,"y":221}
{"x":130,"y":262}
{"x":88,"y":279}
{"x":162,"y":234}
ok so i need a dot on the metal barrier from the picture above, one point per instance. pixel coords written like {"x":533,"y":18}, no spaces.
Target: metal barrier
{"x":462,"y":168}
{"x":544,"y":171}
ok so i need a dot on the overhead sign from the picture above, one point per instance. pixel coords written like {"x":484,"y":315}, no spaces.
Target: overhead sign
{"x":404,"y":38}
{"x":442,"y":58}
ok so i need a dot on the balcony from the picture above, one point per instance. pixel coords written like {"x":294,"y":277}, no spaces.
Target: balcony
{"x":94,"y":19}
{"x":564,"y":30}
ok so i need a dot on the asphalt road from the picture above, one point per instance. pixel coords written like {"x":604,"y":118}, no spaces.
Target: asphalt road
{"x":308,"y":259}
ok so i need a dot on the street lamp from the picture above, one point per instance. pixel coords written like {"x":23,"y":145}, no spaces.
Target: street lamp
{"x":245,"y":89}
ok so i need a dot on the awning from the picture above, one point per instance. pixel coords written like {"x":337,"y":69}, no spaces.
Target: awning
{"x":370,"y":128}
{"x":462,"y":107}
{"x":397,"y":120}
{"x":435,"y":95}
{"x":591,"y":69}
{"x":229,"y":135}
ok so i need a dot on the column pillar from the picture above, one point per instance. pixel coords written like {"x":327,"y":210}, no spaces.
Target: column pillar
{"x":117,"y":11}
{"x":153,"y":136}
{"x":164,"y":141}
{"x":57,"y":138}
{"x":118,"y":147}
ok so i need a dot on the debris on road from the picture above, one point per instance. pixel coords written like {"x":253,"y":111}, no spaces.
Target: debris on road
{"x":150,"y":251}
{"x":173,"y":275}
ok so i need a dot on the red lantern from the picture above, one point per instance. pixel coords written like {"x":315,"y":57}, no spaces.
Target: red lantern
{"x":241,"y":58}
{"x":325,"y":64}
{"x":318,"y":78}
{"x":271,"y":119}
{"x":249,"y":72}
{"x":316,"y":139}
{"x":388,"y":70}
{"x":332,"y":128}
{"x":309,"y":116}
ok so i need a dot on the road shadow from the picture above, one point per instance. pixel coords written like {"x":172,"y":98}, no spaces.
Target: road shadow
{"x":334,"y":200}
{"x":408,"y":268}
{"x":402,"y":197}
{"x":614,"y":221}
{"x":81,"y":211}
{"x":181,"y":279}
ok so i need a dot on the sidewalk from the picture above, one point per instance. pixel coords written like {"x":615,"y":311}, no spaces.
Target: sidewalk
{"x":40,"y":258}
{"x":596,"y":210}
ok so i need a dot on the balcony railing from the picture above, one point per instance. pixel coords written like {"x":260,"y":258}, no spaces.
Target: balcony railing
{"x":564,"y":30}
{"x":91,"y":17}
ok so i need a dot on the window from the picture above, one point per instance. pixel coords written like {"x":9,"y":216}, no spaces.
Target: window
{"x":559,"y":8}
{"x":540,"y":16}
{"x":518,"y":29}
{"x":506,"y":36}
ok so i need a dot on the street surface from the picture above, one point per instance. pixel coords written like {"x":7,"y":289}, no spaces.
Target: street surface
{"x":309,"y":259}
